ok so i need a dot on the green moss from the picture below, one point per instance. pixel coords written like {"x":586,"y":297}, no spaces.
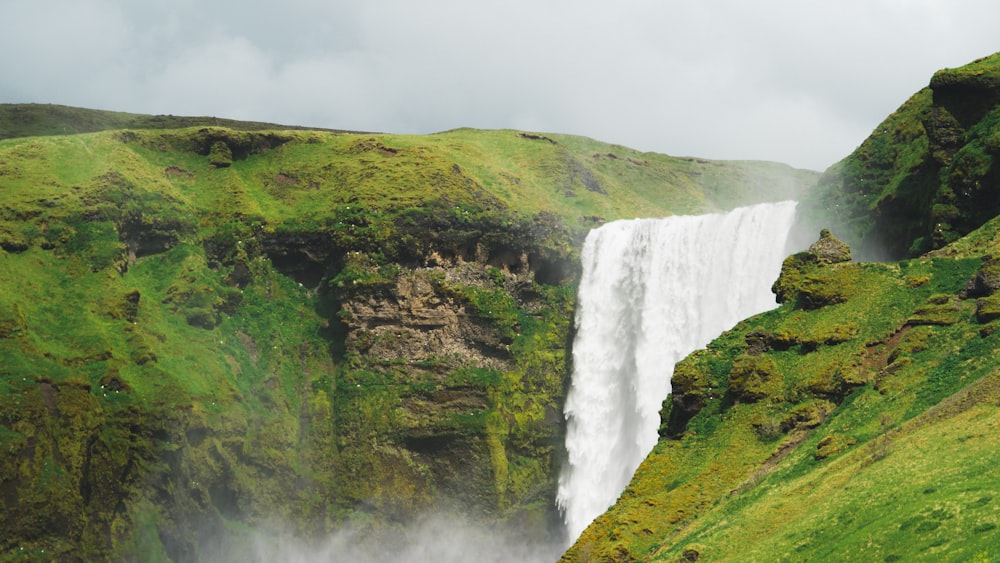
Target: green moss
{"x":474,"y":377}
{"x":988,"y":309}
{"x":793,"y":272}
{"x":812,"y":283}
{"x":220,"y":155}
{"x":753,"y":378}
{"x":939,"y":309}
{"x":832,"y":445}
{"x":362,"y":270}
{"x":494,"y":305}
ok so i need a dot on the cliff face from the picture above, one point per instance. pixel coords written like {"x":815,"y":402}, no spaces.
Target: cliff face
{"x":422,"y":403}
{"x":454,"y":371}
{"x":206,"y":332}
{"x":927,"y":175}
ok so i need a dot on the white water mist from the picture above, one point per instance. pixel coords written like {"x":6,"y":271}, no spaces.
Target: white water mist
{"x":652,"y":292}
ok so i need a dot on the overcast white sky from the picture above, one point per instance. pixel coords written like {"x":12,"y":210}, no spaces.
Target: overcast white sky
{"x":795,"y":81}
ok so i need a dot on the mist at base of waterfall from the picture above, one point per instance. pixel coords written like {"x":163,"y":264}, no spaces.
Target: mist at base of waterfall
{"x":436,"y":537}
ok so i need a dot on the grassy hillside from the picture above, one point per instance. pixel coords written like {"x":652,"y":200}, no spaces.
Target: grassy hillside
{"x":858,"y":420}
{"x":821,"y":431}
{"x":208,"y":330}
{"x":571,"y":176}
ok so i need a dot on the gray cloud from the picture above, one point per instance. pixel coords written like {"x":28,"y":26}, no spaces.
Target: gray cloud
{"x":802,"y":82}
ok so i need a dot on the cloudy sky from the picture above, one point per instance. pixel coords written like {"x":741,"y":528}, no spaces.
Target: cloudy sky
{"x":796,"y":81}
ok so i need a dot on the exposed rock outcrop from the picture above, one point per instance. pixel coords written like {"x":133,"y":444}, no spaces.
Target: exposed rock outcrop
{"x":418,"y":319}
{"x":806,"y":277}
{"x":829,"y":249}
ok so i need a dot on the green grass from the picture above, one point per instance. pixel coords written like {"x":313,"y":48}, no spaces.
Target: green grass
{"x":926,"y":496}
{"x":888,"y":470}
{"x":303,"y":175}
{"x":135,"y":378}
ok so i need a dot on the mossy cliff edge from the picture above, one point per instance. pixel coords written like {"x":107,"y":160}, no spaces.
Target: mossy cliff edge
{"x":926,"y":176}
{"x":858,"y":420}
{"x":206,"y":331}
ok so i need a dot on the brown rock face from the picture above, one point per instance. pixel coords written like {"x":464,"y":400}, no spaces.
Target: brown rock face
{"x":418,"y":320}
{"x":433,"y":392}
{"x":986,"y":281}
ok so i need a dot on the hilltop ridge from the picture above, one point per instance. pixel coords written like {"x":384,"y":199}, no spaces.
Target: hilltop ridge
{"x":33,"y":120}
{"x":926,"y":175}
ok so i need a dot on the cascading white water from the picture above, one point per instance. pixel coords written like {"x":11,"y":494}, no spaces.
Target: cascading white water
{"x":652,"y":292}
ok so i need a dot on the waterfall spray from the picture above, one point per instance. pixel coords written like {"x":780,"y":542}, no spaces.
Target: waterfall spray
{"x":652,"y":292}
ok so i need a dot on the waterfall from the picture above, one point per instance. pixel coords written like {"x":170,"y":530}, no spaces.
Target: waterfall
{"x":652,"y":292}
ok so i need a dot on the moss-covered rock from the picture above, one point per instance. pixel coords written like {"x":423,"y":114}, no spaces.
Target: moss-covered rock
{"x":690,"y":387}
{"x":815,"y":278}
{"x":986,"y":281}
{"x":988,"y":309}
{"x":938,"y":310}
{"x":807,"y":415}
{"x":753,"y":378}
{"x":829,"y":249}
{"x":835,"y":379}
{"x":793,"y":272}
{"x":832,"y":445}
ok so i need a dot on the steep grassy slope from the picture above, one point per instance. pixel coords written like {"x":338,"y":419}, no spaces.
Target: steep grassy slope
{"x":821,"y":431}
{"x":857,"y":421}
{"x":206,"y":330}
{"x":928,"y":173}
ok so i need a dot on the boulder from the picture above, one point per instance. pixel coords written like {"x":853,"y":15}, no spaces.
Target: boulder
{"x":829,"y":249}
